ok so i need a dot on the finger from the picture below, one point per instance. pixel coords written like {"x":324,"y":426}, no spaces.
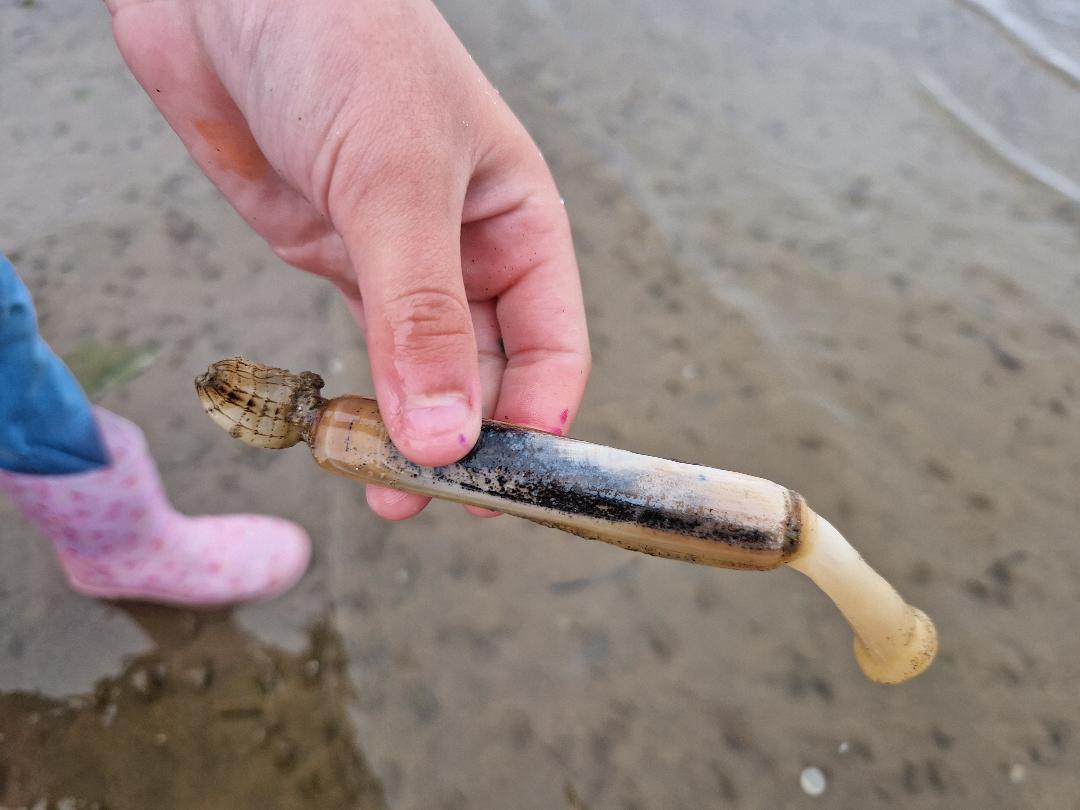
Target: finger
{"x":480,"y":512}
{"x":492,"y":364}
{"x":524,"y":257}
{"x":490,"y":353}
{"x":355,"y":304}
{"x":393,"y":504}
{"x":403,"y":236}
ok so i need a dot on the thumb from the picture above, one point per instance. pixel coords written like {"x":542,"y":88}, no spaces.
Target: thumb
{"x":406,"y":249}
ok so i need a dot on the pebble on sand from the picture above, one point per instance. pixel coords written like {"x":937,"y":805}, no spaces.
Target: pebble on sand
{"x":812,"y":781}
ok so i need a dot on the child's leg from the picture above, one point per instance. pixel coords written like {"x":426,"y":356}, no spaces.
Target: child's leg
{"x":46,"y":424}
{"x":117,"y":536}
{"x":87,"y":482}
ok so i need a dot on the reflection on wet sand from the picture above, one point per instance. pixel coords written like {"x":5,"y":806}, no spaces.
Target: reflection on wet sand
{"x":212,"y":718}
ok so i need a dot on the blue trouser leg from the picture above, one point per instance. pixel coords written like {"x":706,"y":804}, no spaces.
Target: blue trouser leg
{"x":46,"y":422}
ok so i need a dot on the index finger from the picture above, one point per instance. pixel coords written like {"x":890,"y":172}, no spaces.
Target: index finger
{"x":539,"y":307}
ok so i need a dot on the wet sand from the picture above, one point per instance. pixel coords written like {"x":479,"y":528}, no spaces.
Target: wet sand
{"x":210,"y":719}
{"x":798,"y":264}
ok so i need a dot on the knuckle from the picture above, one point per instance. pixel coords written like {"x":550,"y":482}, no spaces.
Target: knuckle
{"x":426,"y":319}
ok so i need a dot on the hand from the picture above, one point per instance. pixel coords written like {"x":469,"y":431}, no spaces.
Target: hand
{"x":363,"y":144}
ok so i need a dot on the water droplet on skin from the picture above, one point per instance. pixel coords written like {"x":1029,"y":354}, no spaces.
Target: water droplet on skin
{"x":812,"y":781}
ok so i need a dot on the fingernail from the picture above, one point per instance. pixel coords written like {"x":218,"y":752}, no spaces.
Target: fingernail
{"x":436,"y":414}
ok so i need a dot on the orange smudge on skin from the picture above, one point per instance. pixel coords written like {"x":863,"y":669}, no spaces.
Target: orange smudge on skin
{"x":234,"y":148}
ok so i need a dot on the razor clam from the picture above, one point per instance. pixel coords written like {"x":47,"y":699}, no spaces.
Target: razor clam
{"x":652,"y":505}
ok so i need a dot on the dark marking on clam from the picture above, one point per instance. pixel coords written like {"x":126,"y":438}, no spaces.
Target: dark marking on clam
{"x":532,"y":468}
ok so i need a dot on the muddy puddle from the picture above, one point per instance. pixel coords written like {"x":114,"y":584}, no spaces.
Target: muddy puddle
{"x":211,"y":718}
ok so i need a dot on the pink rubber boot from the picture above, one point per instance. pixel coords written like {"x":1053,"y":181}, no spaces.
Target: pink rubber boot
{"x":118,"y":537}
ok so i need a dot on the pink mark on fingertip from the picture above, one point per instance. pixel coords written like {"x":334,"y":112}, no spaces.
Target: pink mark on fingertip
{"x":564,"y":416}
{"x":461,"y":439}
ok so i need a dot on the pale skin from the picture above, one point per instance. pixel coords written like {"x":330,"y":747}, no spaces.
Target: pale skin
{"x":362,"y":142}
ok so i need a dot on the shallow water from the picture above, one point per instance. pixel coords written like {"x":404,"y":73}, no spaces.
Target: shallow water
{"x":835,"y":244}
